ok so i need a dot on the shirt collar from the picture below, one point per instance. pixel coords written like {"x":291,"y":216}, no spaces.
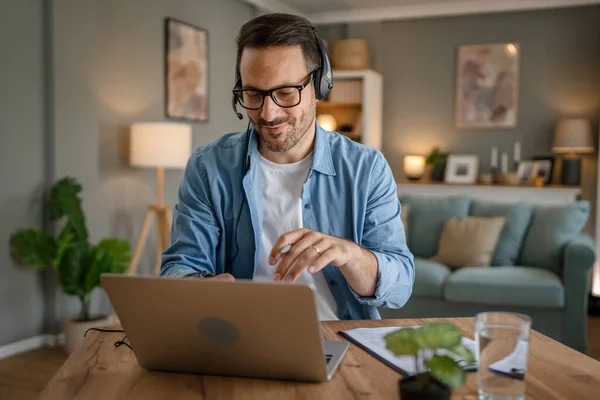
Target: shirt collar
{"x":322,"y":160}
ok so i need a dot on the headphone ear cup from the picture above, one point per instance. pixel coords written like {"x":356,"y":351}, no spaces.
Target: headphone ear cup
{"x":324,"y":74}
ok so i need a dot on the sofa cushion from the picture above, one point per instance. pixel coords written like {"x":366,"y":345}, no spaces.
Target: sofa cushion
{"x":429,"y":278}
{"x":551,"y":228}
{"x":509,"y":285}
{"x":426,"y":220}
{"x":469,"y":241}
{"x":517,"y":217}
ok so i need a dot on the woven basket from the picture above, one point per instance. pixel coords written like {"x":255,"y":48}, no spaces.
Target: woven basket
{"x":350,"y":54}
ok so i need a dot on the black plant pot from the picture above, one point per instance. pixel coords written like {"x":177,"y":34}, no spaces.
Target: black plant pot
{"x":423,"y":387}
{"x":438,"y":172}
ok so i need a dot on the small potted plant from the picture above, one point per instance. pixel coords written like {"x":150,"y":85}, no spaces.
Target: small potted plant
{"x":78,"y":263}
{"x":425,"y":344}
{"x":436,"y":164}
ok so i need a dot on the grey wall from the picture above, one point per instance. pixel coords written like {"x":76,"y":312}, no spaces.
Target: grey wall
{"x":22,"y":161}
{"x":106,"y":59}
{"x":108,"y":73}
{"x":559,"y":76}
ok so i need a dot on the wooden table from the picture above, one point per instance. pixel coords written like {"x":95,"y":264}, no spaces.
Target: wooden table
{"x":98,"y":370}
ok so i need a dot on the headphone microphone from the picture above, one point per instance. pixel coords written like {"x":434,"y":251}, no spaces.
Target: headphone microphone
{"x":234,"y":105}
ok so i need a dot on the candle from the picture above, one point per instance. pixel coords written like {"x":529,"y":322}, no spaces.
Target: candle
{"x":517,"y":152}
{"x":504,"y":163}
{"x":494,"y":157}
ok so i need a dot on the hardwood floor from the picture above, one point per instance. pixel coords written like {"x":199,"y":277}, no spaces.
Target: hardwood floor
{"x":23,"y":377}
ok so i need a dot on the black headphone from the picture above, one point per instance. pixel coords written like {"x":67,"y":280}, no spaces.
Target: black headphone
{"x":323,"y":78}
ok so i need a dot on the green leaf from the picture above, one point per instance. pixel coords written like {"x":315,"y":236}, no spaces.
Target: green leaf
{"x":64,"y":201}
{"x":70,"y":267}
{"x":446,"y":370}
{"x":402,"y":342}
{"x":438,"y":335}
{"x":462,"y":351}
{"x":32,"y":247}
{"x":110,"y":255}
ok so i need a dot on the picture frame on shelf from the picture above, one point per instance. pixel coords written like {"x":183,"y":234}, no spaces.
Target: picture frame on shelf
{"x":186,"y":71}
{"x":551,"y":160}
{"x":543,"y":168}
{"x":462,"y":168}
{"x":525,"y":172}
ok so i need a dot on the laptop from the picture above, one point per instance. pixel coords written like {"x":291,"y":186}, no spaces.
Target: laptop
{"x":242,"y":328}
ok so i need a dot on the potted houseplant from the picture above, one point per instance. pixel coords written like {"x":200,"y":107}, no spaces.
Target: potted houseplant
{"x":78,"y":262}
{"x":436,"y":164}
{"x":425,"y":343}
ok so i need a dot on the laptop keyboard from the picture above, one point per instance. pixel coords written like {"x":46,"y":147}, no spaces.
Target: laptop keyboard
{"x":328,"y":358}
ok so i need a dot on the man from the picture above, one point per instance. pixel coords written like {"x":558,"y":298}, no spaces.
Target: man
{"x":287,"y":200}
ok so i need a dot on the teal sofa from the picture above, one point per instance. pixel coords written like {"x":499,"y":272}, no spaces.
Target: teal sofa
{"x":541,"y":266}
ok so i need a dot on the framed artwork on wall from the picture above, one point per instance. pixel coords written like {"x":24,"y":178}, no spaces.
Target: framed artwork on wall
{"x":462,"y":168}
{"x":186,"y":71}
{"x":487,"y":85}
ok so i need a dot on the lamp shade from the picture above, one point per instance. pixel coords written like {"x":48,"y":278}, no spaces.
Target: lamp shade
{"x":327,"y":122}
{"x":573,"y":135}
{"x":414,"y":166}
{"x":160,"y":144}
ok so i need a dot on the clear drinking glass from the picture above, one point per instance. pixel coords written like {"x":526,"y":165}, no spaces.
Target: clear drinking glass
{"x":502,"y":353}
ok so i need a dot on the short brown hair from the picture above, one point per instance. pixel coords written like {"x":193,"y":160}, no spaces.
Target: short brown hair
{"x":280,"y":29}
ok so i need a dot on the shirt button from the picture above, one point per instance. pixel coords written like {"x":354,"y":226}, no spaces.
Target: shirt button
{"x":306,"y":206}
{"x":332,"y":282}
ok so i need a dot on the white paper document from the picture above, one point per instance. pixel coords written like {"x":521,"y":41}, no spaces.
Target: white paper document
{"x":515,"y":363}
{"x":373,"y":340}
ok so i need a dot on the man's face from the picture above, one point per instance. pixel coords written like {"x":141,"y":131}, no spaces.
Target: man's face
{"x":279,"y":128}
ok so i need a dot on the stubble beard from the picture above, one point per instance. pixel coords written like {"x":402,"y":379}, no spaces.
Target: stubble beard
{"x":293,"y":136}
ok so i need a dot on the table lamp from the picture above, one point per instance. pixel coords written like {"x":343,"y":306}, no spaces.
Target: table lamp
{"x":572,"y":136}
{"x":158,"y":145}
{"x":414,"y":167}
{"x":327,"y":122}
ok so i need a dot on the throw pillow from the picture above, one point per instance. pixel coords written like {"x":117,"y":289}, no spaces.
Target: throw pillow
{"x":469,"y":242}
{"x":551,"y":228}
{"x":512,"y":237}
{"x":427,"y":217}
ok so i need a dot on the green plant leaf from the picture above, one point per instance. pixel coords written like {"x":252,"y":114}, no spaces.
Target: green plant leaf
{"x":110,"y":255}
{"x":438,"y":335}
{"x":464,"y":352}
{"x":69,"y":269}
{"x":33,"y":248}
{"x":446,"y":370}
{"x":64,"y":201}
{"x":402,"y":342}
{"x":433,"y":156}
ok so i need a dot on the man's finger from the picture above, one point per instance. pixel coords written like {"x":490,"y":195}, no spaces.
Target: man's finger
{"x":324,"y":260}
{"x":296,"y":251}
{"x":284,"y":242}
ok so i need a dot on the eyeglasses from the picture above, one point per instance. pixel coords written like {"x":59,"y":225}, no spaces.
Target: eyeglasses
{"x":283,"y":96}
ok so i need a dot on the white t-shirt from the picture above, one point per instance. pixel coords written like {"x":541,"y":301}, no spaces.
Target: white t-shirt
{"x":282,"y":212}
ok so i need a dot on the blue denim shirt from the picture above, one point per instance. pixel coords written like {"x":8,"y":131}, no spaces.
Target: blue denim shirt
{"x":349,"y":193}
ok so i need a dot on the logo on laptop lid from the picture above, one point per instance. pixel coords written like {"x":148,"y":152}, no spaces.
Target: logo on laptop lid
{"x":218,"y":331}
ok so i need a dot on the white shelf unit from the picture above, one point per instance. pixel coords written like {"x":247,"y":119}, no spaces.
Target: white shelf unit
{"x":357,"y":99}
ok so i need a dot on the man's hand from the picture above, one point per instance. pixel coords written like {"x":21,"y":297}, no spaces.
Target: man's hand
{"x":222,"y":277}
{"x":309,"y":249}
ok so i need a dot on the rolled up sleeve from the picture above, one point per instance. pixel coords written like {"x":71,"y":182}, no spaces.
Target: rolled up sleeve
{"x":384,"y":236}
{"x":195,"y":231}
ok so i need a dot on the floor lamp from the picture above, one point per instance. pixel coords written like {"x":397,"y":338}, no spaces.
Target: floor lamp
{"x":158,"y":145}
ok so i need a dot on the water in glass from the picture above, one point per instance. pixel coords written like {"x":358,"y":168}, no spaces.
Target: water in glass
{"x":502,"y":349}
